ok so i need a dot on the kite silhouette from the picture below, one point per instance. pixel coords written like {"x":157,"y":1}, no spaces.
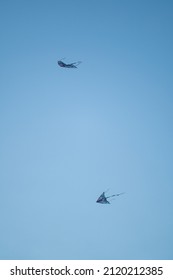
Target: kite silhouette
{"x":104,"y":199}
{"x":70,"y":65}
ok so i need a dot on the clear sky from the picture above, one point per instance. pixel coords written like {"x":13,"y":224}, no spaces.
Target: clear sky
{"x":67,"y":135}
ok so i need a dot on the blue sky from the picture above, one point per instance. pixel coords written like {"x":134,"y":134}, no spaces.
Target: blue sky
{"x":67,"y":135}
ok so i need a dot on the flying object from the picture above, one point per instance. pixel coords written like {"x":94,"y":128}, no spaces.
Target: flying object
{"x":70,"y":65}
{"x":103,"y":199}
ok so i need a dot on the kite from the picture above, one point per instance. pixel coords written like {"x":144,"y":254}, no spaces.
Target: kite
{"x":103,"y":199}
{"x":71,"y":65}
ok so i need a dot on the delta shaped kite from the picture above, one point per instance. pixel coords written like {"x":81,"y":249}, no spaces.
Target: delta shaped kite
{"x":104,"y":199}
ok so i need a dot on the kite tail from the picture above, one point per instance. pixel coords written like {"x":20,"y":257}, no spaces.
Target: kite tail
{"x":77,"y":63}
{"x":115,"y":195}
{"x":111,"y":196}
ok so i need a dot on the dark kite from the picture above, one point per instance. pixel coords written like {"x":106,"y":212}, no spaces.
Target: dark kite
{"x":70,"y":65}
{"x":104,"y":199}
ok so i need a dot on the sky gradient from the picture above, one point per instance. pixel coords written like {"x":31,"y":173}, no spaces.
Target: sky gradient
{"x":67,"y":135}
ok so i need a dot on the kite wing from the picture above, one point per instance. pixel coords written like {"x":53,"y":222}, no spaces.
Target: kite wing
{"x":61,"y":63}
{"x":119,"y":194}
{"x":102,"y":199}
